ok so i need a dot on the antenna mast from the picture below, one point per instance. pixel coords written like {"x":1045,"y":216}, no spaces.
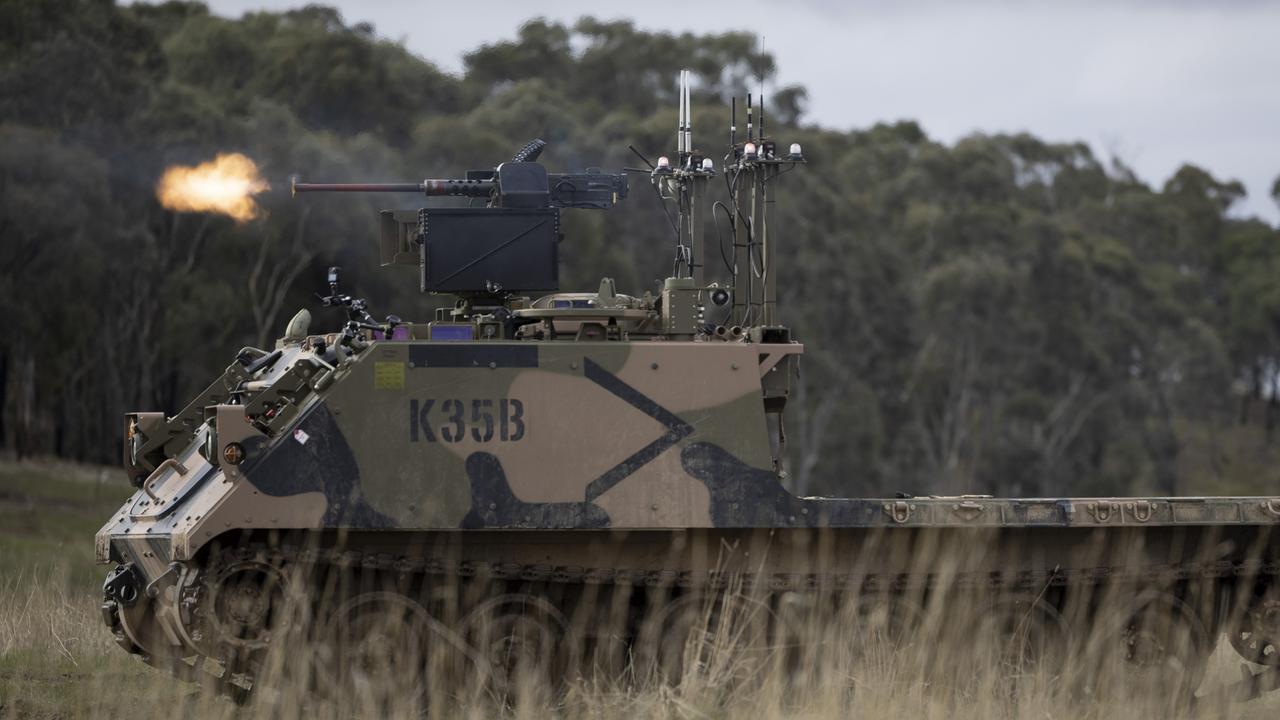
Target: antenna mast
{"x":686,"y":184}
{"x":758,"y":162}
{"x":755,"y":161}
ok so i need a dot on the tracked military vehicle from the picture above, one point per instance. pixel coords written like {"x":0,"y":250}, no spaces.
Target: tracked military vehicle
{"x":554,"y":457}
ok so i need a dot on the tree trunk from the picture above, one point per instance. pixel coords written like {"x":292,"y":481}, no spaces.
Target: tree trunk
{"x":4,"y":396}
{"x":25,"y":431}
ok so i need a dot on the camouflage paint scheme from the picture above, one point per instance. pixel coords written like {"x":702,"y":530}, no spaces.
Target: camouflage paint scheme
{"x":415,"y":435}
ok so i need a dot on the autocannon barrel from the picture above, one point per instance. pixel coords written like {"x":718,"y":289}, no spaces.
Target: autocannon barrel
{"x":463,"y":188}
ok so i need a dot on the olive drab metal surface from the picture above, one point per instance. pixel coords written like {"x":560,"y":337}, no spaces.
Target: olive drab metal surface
{"x":574,"y":437}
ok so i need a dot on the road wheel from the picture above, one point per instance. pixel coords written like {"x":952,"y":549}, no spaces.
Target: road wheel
{"x":379,"y":654}
{"x":1154,"y":649}
{"x":524,"y":643}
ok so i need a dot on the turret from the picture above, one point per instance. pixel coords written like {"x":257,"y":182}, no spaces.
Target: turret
{"x":508,"y":246}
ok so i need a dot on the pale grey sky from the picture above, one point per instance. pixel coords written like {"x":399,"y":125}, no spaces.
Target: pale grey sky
{"x":1157,"y":82}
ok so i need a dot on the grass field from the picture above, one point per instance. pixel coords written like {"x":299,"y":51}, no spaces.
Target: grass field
{"x":57,"y":660}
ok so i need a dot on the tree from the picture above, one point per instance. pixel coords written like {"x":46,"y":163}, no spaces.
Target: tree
{"x":1000,"y":314}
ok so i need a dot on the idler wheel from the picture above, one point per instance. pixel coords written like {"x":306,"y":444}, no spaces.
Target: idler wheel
{"x":1256,"y":634}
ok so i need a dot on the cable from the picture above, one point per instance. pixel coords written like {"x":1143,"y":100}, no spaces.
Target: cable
{"x":733,"y":197}
{"x":663,"y":202}
{"x":728,"y":264}
{"x":746,"y":222}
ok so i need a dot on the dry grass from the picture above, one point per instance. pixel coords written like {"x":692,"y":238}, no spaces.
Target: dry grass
{"x":57,"y":660}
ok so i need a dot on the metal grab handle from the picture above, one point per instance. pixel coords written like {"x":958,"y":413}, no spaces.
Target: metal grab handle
{"x":155,"y":475}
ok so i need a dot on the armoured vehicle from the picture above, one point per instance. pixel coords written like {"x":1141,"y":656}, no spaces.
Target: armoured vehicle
{"x":560,"y":458}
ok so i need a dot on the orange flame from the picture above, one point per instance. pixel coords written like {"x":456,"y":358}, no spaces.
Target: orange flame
{"x":224,"y":185}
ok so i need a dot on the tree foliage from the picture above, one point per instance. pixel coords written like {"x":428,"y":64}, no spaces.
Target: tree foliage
{"x":1002,"y":314}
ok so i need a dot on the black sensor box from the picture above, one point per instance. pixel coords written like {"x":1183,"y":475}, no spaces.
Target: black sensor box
{"x":489,"y":250}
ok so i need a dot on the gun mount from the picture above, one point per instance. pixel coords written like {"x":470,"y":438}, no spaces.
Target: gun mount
{"x":508,"y":246}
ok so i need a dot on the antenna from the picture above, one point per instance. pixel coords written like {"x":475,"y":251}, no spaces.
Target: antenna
{"x":762,"y":113}
{"x":733,"y":121}
{"x":680,"y":118}
{"x":689,"y":112}
{"x":748,"y":117}
{"x":760,"y":78}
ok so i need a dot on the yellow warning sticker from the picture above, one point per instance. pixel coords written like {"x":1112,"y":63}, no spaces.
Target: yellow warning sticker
{"x":388,"y":376}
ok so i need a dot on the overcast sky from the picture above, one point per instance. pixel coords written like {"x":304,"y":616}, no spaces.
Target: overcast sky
{"x":1156,"y":82}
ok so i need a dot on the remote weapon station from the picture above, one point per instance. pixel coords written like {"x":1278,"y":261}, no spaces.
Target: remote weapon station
{"x":556,"y":457}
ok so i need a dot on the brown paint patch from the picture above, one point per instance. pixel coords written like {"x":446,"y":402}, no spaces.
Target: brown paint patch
{"x":691,"y":375}
{"x":659,"y":495}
